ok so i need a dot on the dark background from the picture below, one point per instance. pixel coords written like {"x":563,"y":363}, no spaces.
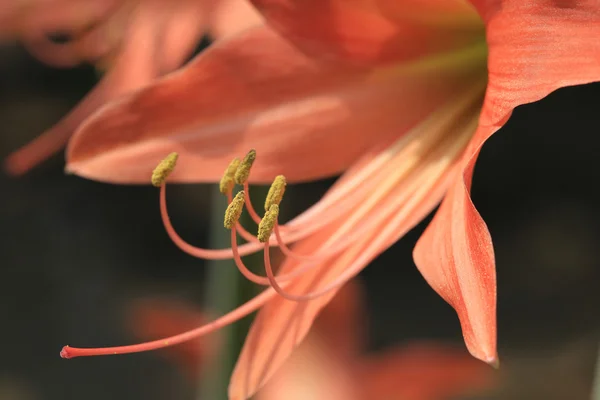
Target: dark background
{"x":74,"y":254}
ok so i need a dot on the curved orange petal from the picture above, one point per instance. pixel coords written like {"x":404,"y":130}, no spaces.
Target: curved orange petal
{"x":360,"y":30}
{"x":536,"y":47}
{"x":456,"y":257}
{"x":306,"y":119}
{"x":422,"y":371}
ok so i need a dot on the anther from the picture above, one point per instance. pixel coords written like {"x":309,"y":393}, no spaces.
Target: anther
{"x":164,"y":169}
{"x":243,"y":170}
{"x":234,"y":210}
{"x":227,"y":181}
{"x":265,"y":228}
{"x":276,"y":192}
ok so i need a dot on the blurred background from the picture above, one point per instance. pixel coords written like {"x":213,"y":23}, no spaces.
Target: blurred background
{"x":76,"y":256}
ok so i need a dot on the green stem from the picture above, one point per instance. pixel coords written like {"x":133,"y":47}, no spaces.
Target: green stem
{"x":225,"y":290}
{"x":596,"y":383}
{"x":222,"y":281}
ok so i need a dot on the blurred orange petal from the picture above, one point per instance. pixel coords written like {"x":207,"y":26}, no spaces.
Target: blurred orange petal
{"x":422,"y":371}
{"x":342,"y":325}
{"x":136,"y":41}
{"x":362,"y":31}
{"x":233,"y":16}
{"x":134,"y":67}
{"x":311,"y":372}
{"x":154,"y":318}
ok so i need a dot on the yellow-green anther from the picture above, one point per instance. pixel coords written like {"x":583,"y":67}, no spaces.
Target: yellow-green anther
{"x":234,"y":210}
{"x":265,"y":228}
{"x":276,"y":192}
{"x":164,"y":169}
{"x":243,"y":170}
{"x":227,"y":181}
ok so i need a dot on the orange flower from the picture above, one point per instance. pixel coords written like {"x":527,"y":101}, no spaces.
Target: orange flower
{"x":398,"y":95}
{"x":136,"y":41}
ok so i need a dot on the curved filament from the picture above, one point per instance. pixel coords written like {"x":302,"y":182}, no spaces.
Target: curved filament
{"x":229,"y":318}
{"x":263,"y":280}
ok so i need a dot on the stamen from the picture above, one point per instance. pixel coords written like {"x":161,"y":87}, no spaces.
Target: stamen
{"x":234,"y":210}
{"x":265,"y":228}
{"x":276,"y":192}
{"x":228,"y":179}
{"x":164,"y":169}
{"x":243,"y":171}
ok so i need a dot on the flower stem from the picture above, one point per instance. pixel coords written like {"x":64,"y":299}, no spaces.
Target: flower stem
{"x":225,"y":289}
{"x":596,"y":382}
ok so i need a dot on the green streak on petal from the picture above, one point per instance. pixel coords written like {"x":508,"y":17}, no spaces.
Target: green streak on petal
{"x":473,"y":57}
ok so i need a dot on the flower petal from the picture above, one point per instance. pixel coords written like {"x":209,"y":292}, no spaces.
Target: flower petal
{"x":422,"y":371}
{"x":134,"y":67}
{"x":536,"y":47}
{"x":306,"y":119}
{"x":342,"y":324}
{"x":154,"y":318}
{"x":63,"y":16}
{"x":432,"y":12}
{"x":312,"y":372}
{"x":232,"y":16}
{"x":321,"y":367}
{"x":185,"y":21}
{"x":360,"y":30}
{"x":456,"y":257}
{"x":387,"y":214}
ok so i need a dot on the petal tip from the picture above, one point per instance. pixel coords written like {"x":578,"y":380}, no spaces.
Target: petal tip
{"x":14,"y":166}
{"x":490,"y":358}
{"x":494,"y":362}
{"x":68,"y":170}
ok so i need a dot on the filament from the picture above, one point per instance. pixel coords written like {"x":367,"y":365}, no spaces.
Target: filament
{"x":262,"y":280}
{"x":229,"y":318}
{"x":253,"y":214}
